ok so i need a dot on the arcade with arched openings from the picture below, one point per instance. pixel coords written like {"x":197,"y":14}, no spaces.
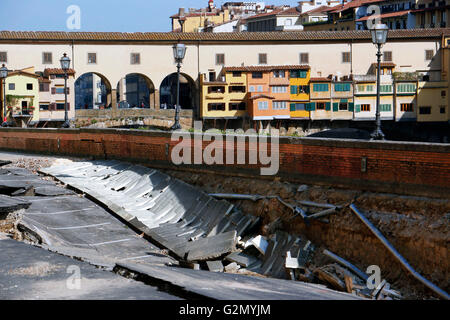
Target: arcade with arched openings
{"x":168,"y":92}
{"x":135,"y":90}
{"x":92,"y":91}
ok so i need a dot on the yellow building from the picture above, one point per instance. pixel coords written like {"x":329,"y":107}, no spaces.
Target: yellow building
{"x":320,"y":95}
{"x":225,"y":98}
{"x":22,"y":97}
{"x":196,"y":20}
{"x":299,"y":92}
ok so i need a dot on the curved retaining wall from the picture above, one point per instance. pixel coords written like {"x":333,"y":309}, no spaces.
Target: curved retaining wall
{"x":395,"y":167}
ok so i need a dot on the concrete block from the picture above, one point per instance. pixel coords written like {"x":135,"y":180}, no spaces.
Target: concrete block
{"x":260,"y":243}
{"x":215,"y":266}
{"x":232,"y":267}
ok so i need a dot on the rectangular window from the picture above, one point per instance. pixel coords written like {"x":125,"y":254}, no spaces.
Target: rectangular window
{"x":369,"y":88}
{"x":387,"y":56}
{"x":425,"y":110}
{"x":320,"y":105}
{"x":135,"y":58}
{"x":293,"y":89}
{"x":443,"y":93}
{"x":59,"y":90}
{"x":237,"y":74}
{"x":220,"y":59}
{"x":262,"y":58}
{"x":260,"y":89}
{"x":386,"y":88}
{"x":237,"y":106}
{"x":320,"y":87}
{"x":263,"y":105}
{"x":60,"y":106}
{"x":361,"y":88}
{"x":303,"y":89}
{"x":216,"y":89}
{"x":240,"y":89}
{"x":343,"y":106}
{"x":47,"y":58}
{"x":43,"y":106}
{"x":92,"y":58}
{"x":300,"y":107}
{"x":406,"y":107}
{"x":304,"y":58}
{"x":279,"y":105}
{"x":44,"y":87}
{"x":346,"y":58}
{"x":429,"y":55}
{"x":29,"y":86}
{"x":404,"y":87}
{"x":279,"y":74}
{"x":3,"y":56}
{"x":216,"y":106}
{"x":279,"y":89}
{"x":385,"y":107}
{"x":442,"y":109}
{"x":365,"y":107}
{"x":257,"y":75}
{"x":11,"y":86}
{"x":341,"y":87}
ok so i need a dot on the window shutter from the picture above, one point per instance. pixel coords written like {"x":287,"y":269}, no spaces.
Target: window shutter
{"x":328,"y":106}
{"x":351,"y":106}
{"x":53,"y":90}
{"x":335,"y":106}
{"x":292,"y":106}
{"x":358,"y":108}
{"x":68,"y":90}
{"x":52,"y":106}
{"x":68,"y":105}
{"x":312,"y":106}
{"x":293,"y":89}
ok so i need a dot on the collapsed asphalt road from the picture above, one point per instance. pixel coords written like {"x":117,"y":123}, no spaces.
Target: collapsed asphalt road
{"x":73,"y":226}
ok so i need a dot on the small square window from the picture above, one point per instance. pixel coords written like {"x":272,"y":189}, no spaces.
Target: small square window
{"x":257,"y":75}
{"x":346,"y":57}
{"x":47,"y":58}
{"x":237,"y":74}
{"x":3,"y":56}
{"x":442,"y":109}
{"x":92,"y":58}
{"x":429,"y":55}
{"x":29,"y":86}
{"x":443,"y":93}
{"x":220,"y":59}
{"x":387,"y":56}
{"x":135,"y":58}
{"x":11,"y":86}
{"x":304,"y":58}
{"x":262,"y":58}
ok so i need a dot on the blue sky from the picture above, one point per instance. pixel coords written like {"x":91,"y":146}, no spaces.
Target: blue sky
{"x":97,"y":15}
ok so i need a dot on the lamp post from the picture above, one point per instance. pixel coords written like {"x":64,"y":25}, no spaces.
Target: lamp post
{"x":65,"y":65}
{"x":3,"y":76}
{"x":379,"y":36}
{"x":179,"y":51}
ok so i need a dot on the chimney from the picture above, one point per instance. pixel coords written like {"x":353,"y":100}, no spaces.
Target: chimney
{"x":181,"y":12}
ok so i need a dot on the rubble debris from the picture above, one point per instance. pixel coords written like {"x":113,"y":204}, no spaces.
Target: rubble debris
{"x":242,"y":259}
{"x":302,"y":188}
{"x":397,"y":255}
{"x":318,"y":205}
{"x":4,"y":162}
{"x":327,"y":275}
{"x":252,"y":197}
{"x":215,"y":266}
{"x":232,"y":267}
{"x":273,"y":226}
{"x":260,"y":243}
{"x":346,"y":264}
{"x":210,"y":247}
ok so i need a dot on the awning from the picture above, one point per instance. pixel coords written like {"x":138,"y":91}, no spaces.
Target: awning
{"x":385,"y":15}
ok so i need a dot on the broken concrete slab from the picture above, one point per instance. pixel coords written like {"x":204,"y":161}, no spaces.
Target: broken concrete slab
{"x":215,"y":266}
{"x":51,"y":191}
{"x":242,"y":259}
{"x":226,"y":286}
{"x":211,"y":247}
{"x":4,"y":162}
{"x":9,"y":204}
{"x":32,"y":273}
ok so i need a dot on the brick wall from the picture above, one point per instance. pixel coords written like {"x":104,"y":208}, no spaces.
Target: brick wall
{"x":397,"y":167}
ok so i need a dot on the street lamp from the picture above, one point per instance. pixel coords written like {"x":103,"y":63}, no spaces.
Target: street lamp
{"x":179,"y":51}
{"x":65,"y":65}
{"x":3,"y":76}
{"x":379,"y":37}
